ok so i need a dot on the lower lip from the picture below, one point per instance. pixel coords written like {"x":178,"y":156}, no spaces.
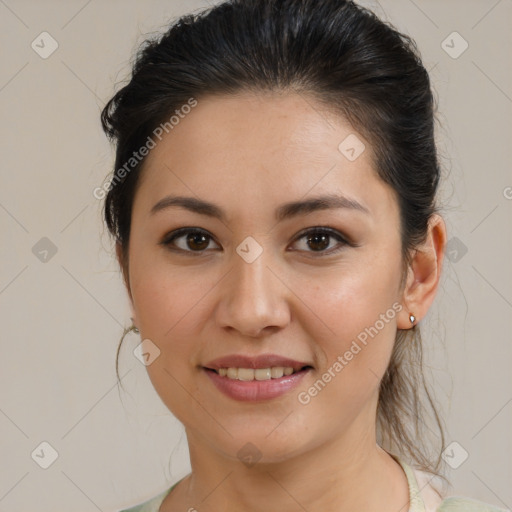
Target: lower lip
{"x":256,"y":390}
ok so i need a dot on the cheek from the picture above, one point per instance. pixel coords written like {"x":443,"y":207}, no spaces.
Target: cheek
{"x":168,"y":305}
{"x":341,"y":310}
{"x":168,"y":302}
{"x":358,"y":311}
{"x":353,"y":358}
{"x":173,"y":306}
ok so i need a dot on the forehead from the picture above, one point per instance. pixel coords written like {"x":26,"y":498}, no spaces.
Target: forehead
{"x":259,"y":145}
{"x":259,"y":126}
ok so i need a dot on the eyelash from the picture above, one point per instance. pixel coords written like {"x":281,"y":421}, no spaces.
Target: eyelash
{"x":172,"y":236}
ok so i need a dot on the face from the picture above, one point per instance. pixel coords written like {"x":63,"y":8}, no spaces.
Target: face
{"x":252,"y":282}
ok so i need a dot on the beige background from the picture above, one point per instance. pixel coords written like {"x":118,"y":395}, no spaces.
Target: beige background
{"x":61,"y":319}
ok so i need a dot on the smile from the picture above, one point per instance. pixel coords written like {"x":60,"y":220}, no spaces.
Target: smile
{"x":249,"y":384}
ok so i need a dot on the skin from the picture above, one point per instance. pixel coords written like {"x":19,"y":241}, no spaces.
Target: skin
{"x":248,"y":154}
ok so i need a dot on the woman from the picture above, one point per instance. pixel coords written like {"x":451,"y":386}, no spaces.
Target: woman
{"x":275,"y":218}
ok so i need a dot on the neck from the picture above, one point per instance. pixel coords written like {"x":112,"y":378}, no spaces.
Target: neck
{"x":347,"y":474}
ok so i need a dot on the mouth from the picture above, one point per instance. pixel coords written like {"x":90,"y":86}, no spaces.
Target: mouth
{"x":256,"y":378}
{"x":259,"y":374}
{"x":256,"y":384}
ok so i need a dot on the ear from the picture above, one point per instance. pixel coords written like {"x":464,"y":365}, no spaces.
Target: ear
{"x":124,"y":269}
{"x":424,"y":274}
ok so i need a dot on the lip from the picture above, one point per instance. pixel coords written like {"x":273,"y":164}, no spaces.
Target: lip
{"x":255,"y":362}
{"x":256,"y":390}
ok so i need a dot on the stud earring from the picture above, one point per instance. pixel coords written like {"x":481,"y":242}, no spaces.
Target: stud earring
{"x":412,"y":318}
{"x":133,"y":327}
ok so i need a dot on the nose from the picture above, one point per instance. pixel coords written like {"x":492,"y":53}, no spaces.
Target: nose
{"x":254,"y":299}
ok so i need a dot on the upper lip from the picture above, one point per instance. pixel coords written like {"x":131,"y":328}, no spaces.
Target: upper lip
{"x":260,"y":361}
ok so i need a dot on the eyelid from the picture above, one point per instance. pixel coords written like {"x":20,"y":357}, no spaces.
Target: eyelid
{"x":324,"y":229}
{"x":329,"y":231}
{"x":177,"y":233}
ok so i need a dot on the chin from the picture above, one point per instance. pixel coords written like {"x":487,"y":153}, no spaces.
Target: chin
{"x":257,"y":447}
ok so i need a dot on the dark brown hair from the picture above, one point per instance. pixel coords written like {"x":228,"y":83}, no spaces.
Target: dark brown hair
{"x":351,"y":62}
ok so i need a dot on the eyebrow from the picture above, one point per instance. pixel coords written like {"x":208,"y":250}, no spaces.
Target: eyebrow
{"x":285,"y":211}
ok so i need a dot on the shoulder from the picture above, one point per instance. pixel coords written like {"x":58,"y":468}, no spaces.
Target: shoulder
{"x":464,"y":504}
{"x":151,"y":505}
{"x":434,"y":496}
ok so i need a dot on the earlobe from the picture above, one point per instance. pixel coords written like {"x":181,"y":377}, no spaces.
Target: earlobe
{"x":424,"y":274}
{"x":408,"y":315}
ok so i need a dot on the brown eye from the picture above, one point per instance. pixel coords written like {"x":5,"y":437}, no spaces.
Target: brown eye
{"x":194,"y":240}
{"x":319,"y":239}
{"x":197,"y":241}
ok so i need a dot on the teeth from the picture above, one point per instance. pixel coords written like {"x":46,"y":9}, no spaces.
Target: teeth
{"x":247,"y":374}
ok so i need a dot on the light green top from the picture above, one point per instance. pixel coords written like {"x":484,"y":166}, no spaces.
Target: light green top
{"x":421,"y":498}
